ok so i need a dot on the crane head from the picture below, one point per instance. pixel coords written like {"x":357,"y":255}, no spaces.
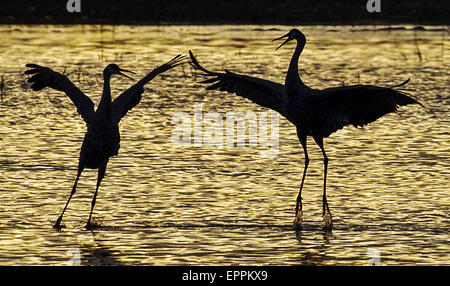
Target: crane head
{"x":112,"y":69}
{"x":293,"y":34}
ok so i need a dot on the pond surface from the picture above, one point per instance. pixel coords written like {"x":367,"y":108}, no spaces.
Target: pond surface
{"x":166,"y":204}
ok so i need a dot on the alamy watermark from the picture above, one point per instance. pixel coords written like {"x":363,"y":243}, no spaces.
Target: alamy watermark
{"x":234,"y":130}
{"x":73,"y":6}
{"x":75,"y":257}
{"x":375,"y":257}
{"x":373,"y":6}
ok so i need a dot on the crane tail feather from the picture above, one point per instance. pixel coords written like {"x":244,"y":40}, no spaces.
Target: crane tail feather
{"x":409,"y":98}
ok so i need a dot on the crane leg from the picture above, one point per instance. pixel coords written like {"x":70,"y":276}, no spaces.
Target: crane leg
{"x":327,"y":218}
{"x":299,"y":207}
{"x":74,"y":189}
{"x":101,"y":175}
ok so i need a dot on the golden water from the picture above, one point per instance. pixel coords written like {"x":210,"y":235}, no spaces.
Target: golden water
{"x":161,"y":204}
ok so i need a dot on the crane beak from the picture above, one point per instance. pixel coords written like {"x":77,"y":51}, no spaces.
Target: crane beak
{"x":280,"y":38}
{"x":124,"y":70}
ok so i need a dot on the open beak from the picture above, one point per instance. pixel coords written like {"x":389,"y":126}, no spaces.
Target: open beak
{"x":280,"y":38}
{"x":124,"y":70}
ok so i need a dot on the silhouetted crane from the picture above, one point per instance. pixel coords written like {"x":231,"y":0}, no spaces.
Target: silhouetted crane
{"x":102,"y":137}
{"x":315,"y":113}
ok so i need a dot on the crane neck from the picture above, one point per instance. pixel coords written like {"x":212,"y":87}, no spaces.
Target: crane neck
{"x":293,"y":78}
{"x":105,"y":102}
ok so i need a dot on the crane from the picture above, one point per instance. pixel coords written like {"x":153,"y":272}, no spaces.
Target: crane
{"x":102,"y":139}
{"x":315,"y":113}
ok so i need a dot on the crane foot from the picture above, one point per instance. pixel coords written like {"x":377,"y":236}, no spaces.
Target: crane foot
{"x":93,"y":224}
{"x":327,"y":220}
{"x":298,"y":221}
{"x":57,"y":224}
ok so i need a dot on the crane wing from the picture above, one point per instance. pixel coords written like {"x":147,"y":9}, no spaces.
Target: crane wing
{"x":132,"y":96}
{"x":262,"y":92}
{"x":45,"y":77}
{"x":357,"y":105}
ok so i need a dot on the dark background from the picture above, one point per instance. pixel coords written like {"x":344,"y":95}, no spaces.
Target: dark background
{"x":290,"y":12}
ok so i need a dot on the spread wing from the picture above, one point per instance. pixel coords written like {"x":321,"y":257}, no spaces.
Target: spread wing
{"x":132,"y":96}
{"x":262,"y":92}
{"x":357,"y":105}
{"x":45,"y":77}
